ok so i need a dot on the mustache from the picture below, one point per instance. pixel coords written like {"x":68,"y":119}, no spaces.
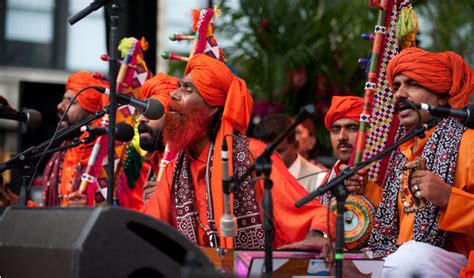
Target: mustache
{"x":344,"y":145}
{"x":403,"y":104}
{"x":143,"y":128}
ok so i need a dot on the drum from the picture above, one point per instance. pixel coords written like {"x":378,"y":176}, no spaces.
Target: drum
{"x":358,"y":220}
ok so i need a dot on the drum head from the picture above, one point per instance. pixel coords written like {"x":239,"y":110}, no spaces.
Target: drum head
{"x":358,"y":220}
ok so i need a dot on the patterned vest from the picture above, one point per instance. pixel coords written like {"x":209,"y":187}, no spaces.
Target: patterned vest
{"x":250,"y":234}
{"x":440,"y":153}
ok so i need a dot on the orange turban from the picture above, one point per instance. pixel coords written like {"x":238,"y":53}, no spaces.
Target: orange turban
{"x":344,"y":107}
{"x":159,"y":87}
{"x":218,"y":86}
{"x":89,"y":99}
{"x":441,"y":73}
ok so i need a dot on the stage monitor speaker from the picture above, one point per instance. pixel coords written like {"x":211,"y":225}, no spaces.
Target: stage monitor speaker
{"x":93,"y":242}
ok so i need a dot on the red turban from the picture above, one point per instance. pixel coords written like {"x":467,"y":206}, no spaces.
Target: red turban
{"x":349,"y":107}
{"x":160,"y":88}
{"x":441,"y":73}
{"x":218,"y":86}
{"x":89,"y":99}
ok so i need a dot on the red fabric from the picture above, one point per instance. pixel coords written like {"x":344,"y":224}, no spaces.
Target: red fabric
{"x":343,"y":107}
{"x":441,"y":73}
{"x":218,"y":86}
{"x":291,"y":224}
{"x":468,"y":271}
{"x":89,"y":99}
{"x":160,"y":88}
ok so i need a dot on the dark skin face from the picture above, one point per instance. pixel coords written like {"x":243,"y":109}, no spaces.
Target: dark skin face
{"x":190,"y":118}
{"x":407,"y":88}
{"x":343,"y":135}
{"x":150,"y":134}
{"x":75,"y":114}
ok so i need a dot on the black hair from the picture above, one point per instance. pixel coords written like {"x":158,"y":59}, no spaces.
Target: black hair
{"x":273,"y":125}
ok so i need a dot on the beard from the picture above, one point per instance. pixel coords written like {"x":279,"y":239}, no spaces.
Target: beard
{"x":150,"y":139}
{"x":186,"y":127}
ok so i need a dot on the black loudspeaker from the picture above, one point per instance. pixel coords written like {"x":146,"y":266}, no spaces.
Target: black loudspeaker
{"x":93,"y":242}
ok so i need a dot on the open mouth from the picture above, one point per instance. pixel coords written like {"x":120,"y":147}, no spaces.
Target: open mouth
{"x":401,"y":105}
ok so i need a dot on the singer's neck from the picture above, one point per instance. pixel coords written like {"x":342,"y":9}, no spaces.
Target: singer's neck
{"x":196,"y":148}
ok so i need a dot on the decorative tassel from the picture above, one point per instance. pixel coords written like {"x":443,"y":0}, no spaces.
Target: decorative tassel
{"x":407,"y":27}
{"x":132,"y":166}
{"x":125,"y":45}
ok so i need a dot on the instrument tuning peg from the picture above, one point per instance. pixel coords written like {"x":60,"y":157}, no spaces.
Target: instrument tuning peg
{"x":367,"y":36}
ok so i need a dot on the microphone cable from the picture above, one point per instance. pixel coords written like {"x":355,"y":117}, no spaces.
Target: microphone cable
{"x":43,"y":154}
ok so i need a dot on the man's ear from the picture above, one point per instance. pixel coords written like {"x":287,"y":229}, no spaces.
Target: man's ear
{"x":443,"y":100}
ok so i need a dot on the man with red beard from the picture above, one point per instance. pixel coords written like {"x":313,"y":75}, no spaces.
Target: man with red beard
{"x":151,"y":138}
{"x":212,"y":102}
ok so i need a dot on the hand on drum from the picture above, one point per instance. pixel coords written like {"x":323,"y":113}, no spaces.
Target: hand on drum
{"x":432,"y":188}
{"x":314,"y":241}
{"x":357,"y":183}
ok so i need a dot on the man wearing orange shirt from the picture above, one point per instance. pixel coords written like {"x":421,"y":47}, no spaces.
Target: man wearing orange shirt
{"x":63,"y":173}
{"x":212,"y":102}
{"x":151,"y":138}
{"x":342,"y":121}
{"x":432,"y":241}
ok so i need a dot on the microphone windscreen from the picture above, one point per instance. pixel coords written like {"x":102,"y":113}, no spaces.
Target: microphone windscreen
{"x":154,"y":110}
{"x":34,"y":118}
{"x":124,"y":132}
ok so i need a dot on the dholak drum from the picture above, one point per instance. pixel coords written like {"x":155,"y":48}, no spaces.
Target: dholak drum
{"x":358,"y":220}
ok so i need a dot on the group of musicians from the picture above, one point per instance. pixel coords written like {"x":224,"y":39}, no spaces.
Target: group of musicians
{"x":424,"y":217}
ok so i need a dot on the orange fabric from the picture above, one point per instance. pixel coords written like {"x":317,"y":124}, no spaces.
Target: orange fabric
{"x":468,"y":271}
{"x":89,"y":99}
{"x":218,"y":86}
{"x":458,"y":218}
{"x":72,"y":159}
{"x":159,"y":87}
{"x":343,"y":107}
{"x":291,"y":224}
{"x":441,"y":73}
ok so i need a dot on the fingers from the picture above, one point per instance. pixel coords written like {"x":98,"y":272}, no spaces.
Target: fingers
{"x":328,"y":254}
{"x":355,"y":184}
{"x":77,"y":199}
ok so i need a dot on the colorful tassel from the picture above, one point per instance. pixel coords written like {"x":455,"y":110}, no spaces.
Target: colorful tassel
{"x":407,"y":27}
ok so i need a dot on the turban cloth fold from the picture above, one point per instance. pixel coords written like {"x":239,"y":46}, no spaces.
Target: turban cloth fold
{"x":441,"y":73}
{"x":159,"y":87}
{"x":349,"y":107}
{"x":89,"y":99}
{"x":218,"y":86}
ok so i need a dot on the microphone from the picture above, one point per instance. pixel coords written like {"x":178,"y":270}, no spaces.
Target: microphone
{"x":123,"y":131}
{"x":150,"y":108}
{"x":228,"y":221}
{"x":466,"y":114}
{"x":31,"y":117}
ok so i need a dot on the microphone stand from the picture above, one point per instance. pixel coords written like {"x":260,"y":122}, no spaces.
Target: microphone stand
{"x":26,"y":158}
{"x":337,"y":185}
{"x":263,"y":165}
{"x":114,"y":10}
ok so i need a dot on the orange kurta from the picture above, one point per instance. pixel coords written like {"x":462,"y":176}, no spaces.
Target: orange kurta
{"x":458,"y":218}
{"x":292,"y":224}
